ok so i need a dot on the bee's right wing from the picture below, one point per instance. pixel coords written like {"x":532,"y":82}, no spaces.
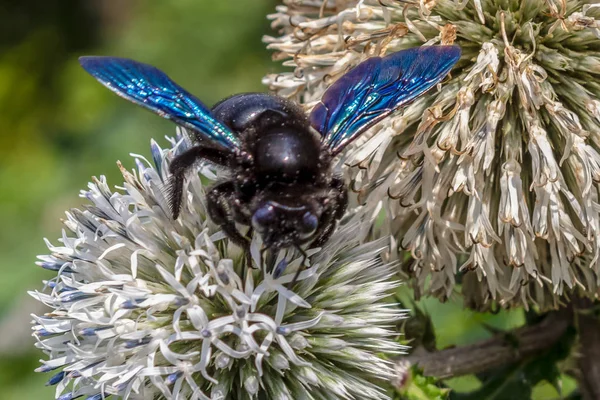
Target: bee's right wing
{"x":377,"y":87}
{"x":151,"y":88}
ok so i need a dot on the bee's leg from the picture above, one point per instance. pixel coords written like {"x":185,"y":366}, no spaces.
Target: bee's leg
{"x":301,"y":268}
{"x":218,"y":202}
{"x":248,"y":258}
{"x":263,"y":260}
{"x":325,"y":233}
{"x":338,"y":201}
{"x":248,"y":254}
{"x":181,"y":164}
{"x":340,"y":196}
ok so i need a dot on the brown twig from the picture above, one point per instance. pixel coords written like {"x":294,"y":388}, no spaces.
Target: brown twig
{"x":588,"y":361}
{"x":498,"y":351}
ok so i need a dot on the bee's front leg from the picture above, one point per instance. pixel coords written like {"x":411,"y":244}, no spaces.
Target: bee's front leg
{"x":333,"y":212}
{"x":181,"y":164}
{"x":219,"y":202}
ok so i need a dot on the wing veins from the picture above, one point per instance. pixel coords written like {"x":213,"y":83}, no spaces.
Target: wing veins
{"x":346,"y":109}
{"x":151,"y":88}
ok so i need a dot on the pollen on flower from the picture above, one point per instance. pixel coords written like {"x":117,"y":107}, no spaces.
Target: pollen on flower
{"x":493,"y":177}
{"x":147,"y":307}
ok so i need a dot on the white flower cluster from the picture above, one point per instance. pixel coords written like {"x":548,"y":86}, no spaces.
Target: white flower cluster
{"x":144,"y":307}
{"x":490,"y":181}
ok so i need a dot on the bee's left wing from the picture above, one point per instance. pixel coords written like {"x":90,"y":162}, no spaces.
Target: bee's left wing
{"x":377,"y":87}
{"x":151,"y":88}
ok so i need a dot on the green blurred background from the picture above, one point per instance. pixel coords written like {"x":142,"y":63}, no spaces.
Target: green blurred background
{"x":59,"y":127}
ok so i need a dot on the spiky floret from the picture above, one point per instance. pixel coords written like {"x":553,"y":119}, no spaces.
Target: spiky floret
{"x":147,"y":307}
{"x":493,"y":177}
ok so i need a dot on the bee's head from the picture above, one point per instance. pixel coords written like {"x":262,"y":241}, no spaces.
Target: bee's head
{"x":285,"y":224}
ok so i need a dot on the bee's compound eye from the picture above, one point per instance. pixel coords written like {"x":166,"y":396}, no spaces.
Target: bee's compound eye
{"x":262,"y":217}
{"x":309,"y":222}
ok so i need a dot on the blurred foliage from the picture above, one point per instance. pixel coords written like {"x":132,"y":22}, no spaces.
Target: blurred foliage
{"x":59,"y":127}
{"x":434,"y":325}
{"x":418,"y":387}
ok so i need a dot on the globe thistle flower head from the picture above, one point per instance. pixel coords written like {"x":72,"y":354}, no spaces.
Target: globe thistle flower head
{"x":490,"y":181}
{"x":147,"y":307}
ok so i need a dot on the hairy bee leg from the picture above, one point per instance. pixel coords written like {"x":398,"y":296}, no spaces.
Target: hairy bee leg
{"x":325,"y":234}
{"x":218,"y":202}
{"x":179,"y":167}
{"x":341,"y":196}
{"x":175,"y":193}
{"x":338,"y":202}
{"x":248,"y":254}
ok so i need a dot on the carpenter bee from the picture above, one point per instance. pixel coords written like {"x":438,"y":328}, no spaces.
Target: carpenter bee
{"x":281,"y":182}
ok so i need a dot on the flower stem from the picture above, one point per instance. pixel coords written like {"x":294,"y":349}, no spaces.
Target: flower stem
{"x":503,"y":349}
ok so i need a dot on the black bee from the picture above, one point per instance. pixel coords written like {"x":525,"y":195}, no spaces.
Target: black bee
{"x":280,"y":159}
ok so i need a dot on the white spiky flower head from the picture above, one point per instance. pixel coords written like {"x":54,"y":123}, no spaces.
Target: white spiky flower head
{"x":493,"y":177}
{"x":144,"y":307}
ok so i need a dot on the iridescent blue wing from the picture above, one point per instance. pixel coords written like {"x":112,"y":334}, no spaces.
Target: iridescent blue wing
{"x":375,"y":88}
{"x":151,"y":88}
